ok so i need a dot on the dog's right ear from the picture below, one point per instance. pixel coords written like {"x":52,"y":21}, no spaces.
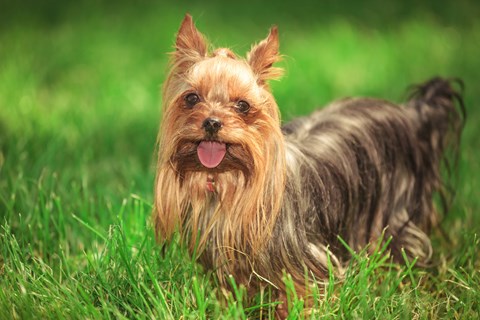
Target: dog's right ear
{"x":190,"y":44}
{"x":262,"y":56}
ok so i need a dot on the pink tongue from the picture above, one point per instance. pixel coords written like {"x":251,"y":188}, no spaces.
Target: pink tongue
{"x":211,"y":153}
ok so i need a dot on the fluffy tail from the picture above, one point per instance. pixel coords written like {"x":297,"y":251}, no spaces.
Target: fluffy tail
{"x":438,"y":114}
{"x":441,"y":113}
{"x":440,"y":106}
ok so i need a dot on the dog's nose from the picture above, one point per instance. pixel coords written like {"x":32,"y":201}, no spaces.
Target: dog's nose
{"x":211,"y":125}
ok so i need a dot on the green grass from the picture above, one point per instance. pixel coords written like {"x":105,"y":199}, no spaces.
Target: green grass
{"x":79,"y":112}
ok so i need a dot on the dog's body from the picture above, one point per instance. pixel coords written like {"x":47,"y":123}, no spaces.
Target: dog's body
{"x":255,"y":200}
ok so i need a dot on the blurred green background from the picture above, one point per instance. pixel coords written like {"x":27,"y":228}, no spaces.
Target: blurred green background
{"x":80,"y":82}
{"x":80,"y":97}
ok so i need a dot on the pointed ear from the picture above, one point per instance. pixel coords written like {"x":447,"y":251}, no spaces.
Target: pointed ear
{"x":190,"y":42}
{"x":263,"y":55}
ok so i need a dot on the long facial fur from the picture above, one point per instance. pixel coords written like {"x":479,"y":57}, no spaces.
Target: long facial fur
{"x":283,"y":196}
{"x":239,"y":217}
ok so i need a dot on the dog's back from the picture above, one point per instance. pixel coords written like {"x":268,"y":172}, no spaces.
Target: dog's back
{"x":362,"y":165}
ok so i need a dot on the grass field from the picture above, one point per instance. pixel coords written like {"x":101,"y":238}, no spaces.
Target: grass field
{"x":79,"y":112}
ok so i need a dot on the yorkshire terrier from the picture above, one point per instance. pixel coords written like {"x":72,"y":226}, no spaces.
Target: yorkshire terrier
{"x":258,"y":200}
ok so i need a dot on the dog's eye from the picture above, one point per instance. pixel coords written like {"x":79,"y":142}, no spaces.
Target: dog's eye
{"x":192,"y":99}
{"x":242,"y":106}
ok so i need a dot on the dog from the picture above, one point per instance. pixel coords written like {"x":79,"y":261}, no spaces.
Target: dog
{"x":257,"y":200}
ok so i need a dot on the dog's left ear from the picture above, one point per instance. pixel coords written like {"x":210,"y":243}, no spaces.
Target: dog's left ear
{"x":190,"y":43}
{"x":263,"y":55}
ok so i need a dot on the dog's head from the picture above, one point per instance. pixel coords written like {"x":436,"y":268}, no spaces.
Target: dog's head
{"x":218,"y":110}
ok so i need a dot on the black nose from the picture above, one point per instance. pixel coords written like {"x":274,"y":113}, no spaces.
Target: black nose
{"x":211,"y":125}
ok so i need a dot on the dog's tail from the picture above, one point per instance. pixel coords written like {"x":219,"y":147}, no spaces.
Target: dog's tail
{"x":437,"y":112}
{"x":441,"y":113}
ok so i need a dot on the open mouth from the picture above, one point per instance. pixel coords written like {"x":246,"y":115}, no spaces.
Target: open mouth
{"x":211,"y":153}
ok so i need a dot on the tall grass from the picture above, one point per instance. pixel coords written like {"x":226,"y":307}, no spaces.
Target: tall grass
{"x":79,"y":112}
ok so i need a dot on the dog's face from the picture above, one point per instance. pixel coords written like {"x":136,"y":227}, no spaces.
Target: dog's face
{"x":218,"y":108}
